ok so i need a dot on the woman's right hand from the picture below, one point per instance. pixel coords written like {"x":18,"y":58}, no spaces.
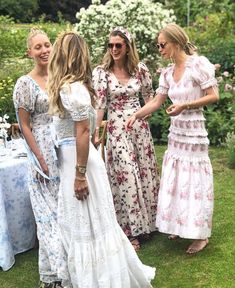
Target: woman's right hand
{"x":130,"y":122}
{"x":81,"y":188}
{"x":44,"y":168}
{"x":96,"y":140}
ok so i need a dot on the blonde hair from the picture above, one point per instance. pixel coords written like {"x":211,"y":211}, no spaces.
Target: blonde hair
{"x":175,"y":34}
{"x":32,"y":33}
{"x":69,"y":62}
{"x":132,"y":57}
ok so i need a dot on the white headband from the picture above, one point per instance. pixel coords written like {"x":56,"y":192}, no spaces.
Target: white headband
{"x":124,"y":32}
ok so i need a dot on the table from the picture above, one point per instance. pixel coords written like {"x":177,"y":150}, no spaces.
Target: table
{"x":17,"y":224}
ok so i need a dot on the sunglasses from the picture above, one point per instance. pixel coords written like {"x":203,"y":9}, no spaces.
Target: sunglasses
{"x":116,"y":45}
{"x":161,"y":45}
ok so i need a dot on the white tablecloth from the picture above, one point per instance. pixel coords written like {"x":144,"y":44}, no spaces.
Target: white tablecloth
{"x":17,"y":224}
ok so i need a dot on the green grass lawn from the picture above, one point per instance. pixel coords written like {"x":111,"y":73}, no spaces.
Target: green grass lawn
{"x":212,"y":268}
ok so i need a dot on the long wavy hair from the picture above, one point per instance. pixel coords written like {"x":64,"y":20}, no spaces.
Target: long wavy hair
{"x":175,"y":34}
{"x":132,"y":57}
{"x":69,"y":62}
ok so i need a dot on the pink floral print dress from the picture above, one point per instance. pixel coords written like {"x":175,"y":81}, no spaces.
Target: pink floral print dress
{"x":185,"y":203}
{"x":131,"y":162}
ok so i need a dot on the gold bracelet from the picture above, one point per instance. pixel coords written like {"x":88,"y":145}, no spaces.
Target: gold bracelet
{"x":80,"y":179}
{"x":188,"y":106}
{"x":81,"y":169}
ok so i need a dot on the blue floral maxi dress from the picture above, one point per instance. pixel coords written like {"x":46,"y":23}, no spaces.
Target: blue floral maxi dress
{"x":131,"y":161}
{"x":29,"y":96}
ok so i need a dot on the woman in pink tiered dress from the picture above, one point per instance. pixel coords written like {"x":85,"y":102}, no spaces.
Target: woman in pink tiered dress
{"x":185,"y":203}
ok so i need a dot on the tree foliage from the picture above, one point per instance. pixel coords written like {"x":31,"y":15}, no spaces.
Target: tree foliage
{"x":185,"y":9}
{"x":21,"y":10}
{"x":142,"y":18}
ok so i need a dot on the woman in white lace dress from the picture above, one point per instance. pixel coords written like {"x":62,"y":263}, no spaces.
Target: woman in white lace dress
{"x":185,"y":204}
{"x":97,"y":252}
{"x":31,"y":104}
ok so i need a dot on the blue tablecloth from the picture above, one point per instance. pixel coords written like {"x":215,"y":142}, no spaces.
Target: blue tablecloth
{"x":17,"y":224}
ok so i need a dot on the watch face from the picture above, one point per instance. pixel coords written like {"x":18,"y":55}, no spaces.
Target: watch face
{"x":82,"y":170}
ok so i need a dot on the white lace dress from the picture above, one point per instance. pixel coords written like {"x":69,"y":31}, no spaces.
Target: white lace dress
{"x":185,"y":203}
{"x":97,"y":252}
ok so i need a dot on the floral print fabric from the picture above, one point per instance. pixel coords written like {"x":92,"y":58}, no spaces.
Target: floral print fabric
{"x":131,"y":162}
{"x":29,"y":96}
{"x":185,"y":204}
{"x":17,"y":225}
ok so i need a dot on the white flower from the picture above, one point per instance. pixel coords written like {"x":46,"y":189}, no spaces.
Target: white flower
{"x":226,"y":73}
{"x":4,"y":125}
{"x":142,"y":18}
{"x":228,"y":87}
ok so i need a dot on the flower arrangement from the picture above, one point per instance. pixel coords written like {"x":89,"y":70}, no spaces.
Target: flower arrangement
{"x":4,"y":125}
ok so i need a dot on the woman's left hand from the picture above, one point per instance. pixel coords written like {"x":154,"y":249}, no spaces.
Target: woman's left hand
{"x":174,"y":109}
{"x":81,"y":188}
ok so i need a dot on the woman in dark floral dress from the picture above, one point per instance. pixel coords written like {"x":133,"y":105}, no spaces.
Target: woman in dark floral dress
{"x":119,"y":82}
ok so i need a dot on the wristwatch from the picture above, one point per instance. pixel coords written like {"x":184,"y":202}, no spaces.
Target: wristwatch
{"x":81,"y":169}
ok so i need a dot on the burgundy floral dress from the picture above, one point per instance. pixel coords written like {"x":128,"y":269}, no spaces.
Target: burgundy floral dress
{"x":131,"y":161}
{"x":185,"y":204}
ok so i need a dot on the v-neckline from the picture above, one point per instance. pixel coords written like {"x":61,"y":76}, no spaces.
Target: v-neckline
{"x":122,"y":84}
{"x":181,"y":76}
{"x":183,"y":73}
{"x":44,"y":91}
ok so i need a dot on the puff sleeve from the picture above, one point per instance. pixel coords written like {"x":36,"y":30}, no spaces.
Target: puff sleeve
{"x":163,"y":82}
{"x":100,"y":84}
{"x":76,"y":100}
{"x":146,"y":81}
{"x":203,"y":72}
{"x":23,"y":96}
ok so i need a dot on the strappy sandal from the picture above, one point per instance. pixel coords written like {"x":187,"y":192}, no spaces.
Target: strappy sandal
{"x":173,"y":237}
{"x":135,"y":243}
{"x":56,"y":284}
{"x":195,"y":248}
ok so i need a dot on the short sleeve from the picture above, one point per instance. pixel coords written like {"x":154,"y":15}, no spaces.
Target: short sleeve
{"x":100,"y":84}
{"x":203,"y":72}
{"x":163,"y":82}
{"x":146,"y":81}
{"x":76,"y":100}
{"x":23,"y":96}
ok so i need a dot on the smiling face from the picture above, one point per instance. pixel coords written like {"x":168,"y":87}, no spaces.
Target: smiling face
{"x":117,"y":48}
{"x":166,"y":48}
{"x":39,"y":49}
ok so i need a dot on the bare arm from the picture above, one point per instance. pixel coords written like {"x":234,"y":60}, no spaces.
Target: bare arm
{"x":100,"y":115}
{"x":147,"y":109}
{"x":211,"y":96}
{"x":24,"y":119}
{"x":82,"y":129}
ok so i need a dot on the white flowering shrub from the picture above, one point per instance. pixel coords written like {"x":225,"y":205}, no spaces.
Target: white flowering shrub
{"x":4,"y":126}
{"x":143,"y":19}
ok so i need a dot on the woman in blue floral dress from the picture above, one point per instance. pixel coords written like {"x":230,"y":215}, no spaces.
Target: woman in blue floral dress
{"x":31,"y":104}
{"x":119,"y":82}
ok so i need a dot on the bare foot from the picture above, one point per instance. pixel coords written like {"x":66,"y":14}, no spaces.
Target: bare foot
{"x":135,"y":243}
{"x":173,"y":237}
{"x":197,"y":246}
